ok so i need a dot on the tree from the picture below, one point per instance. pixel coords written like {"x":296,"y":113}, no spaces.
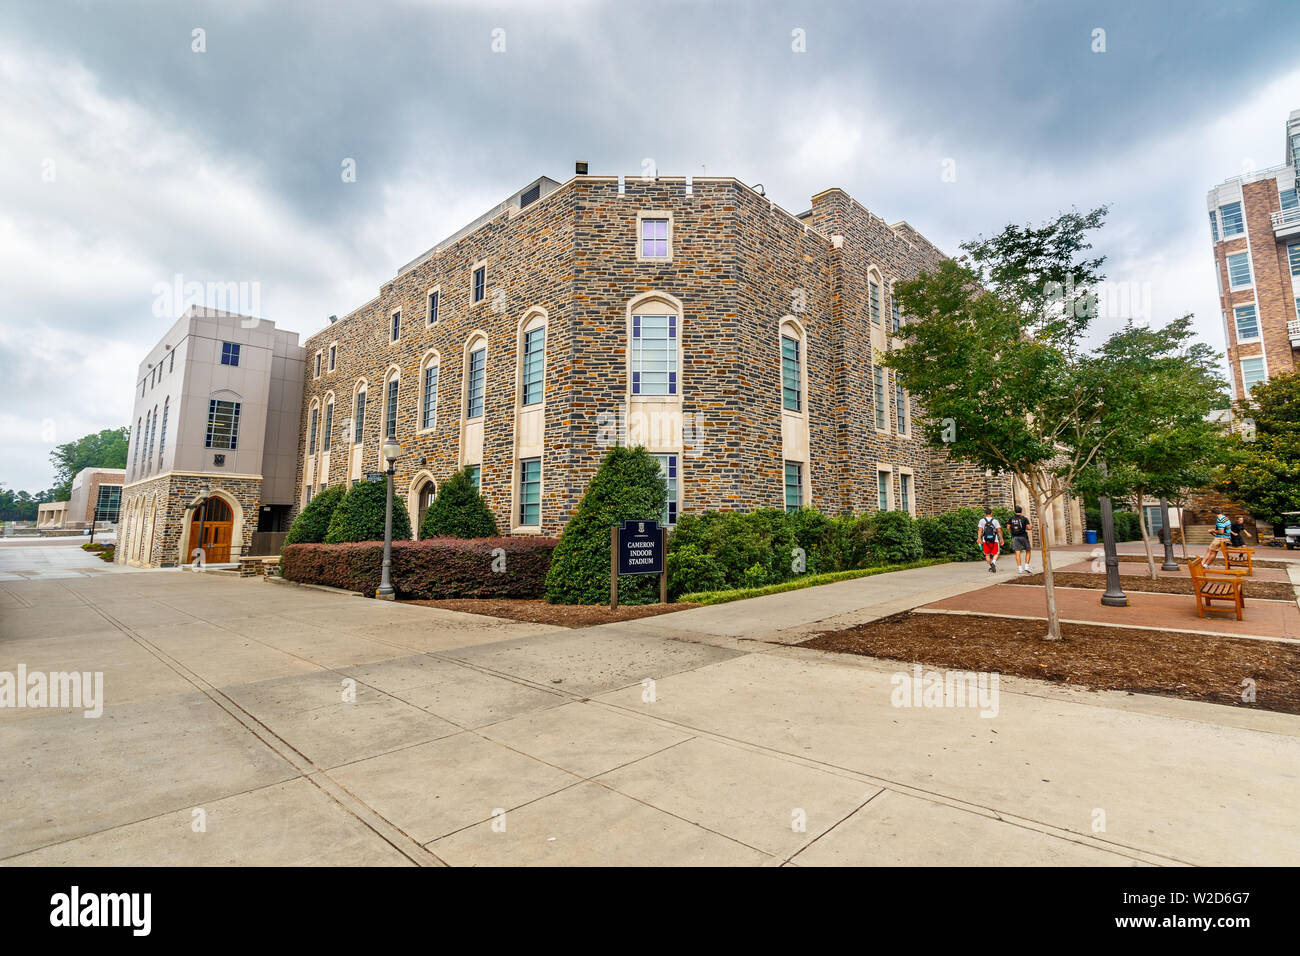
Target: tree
{"x":103,"y":449}
{"x":628,"y":486}
{"x":360,"y":515}
{"x":1263,"y":470}
{"x":313,"y":522}
{"x":992,"y":352}
{"x":22,"y":505}
{"x":458,"y":511}
{"x":1162,"y":441}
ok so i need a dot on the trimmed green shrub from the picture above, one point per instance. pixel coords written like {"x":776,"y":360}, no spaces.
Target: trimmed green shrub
{"x":458,"y":511}
{"x":893,"y":538}
{"x":360,"y":515}
{"x":628,"y":486}
{"x":313,"y":522}
{"x":690,"y":569}
{"x":428,"y":570}
{"x":819,"y":537}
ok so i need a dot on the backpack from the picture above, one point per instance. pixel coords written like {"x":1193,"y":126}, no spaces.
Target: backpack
{"x":1017,"y":525}
{"x":990,"y":530}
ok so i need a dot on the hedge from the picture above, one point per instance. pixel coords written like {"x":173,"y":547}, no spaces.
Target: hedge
{"x":427,"y":570}
{"x":458,"y":511}
{"x":313,"y":522}
{"x":360,"y":515}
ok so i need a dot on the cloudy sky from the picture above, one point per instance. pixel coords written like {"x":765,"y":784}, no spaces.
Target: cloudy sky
{"x":130,"y":158}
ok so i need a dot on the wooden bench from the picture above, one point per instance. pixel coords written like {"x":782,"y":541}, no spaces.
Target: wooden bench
{"x":1211,"y":586}
{"x":1235,"y":558}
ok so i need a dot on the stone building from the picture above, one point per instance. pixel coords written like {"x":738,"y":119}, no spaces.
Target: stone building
{"x":214,"y":434}
{"x":1255,"y":231}
{"x":736,"y":341}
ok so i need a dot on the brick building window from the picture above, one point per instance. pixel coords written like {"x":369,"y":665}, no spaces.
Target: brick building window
{"x":873,"y":300}
{"x":1252,"y":373}
{"x":882,"y":489}
{"x":329,"y":426}
{"x":229,"y":353}
{"x":475,"y":471}
{"x":429,"y":401}
{"x":479,"y":288}
{"x":1230,"y":216}
{"x":882,"y":411}
{"x":1239,"y":270}
{"x":654,"y":238}
{"x":359,"y":417}
{"x":108,"y":505}
{"x":334,"y":357}
{"x":791,"y":379}
{"x":475,"y":383}
{"x":900,"y":408}
{"x":432,"y":318}
{"x":905,"y":492}
{"x":223,"y":424}
{"x":1289,"y":199}
{"x":1214,"y":227}
{"x":1293,"y":256}
{"x":390,"y":415}
{"x":793,"y":485}
{"x":668,"y":466}
{"x":534,"y":365}
{"x":530,"y":492}
{"x":1247,"y":323}
{"x":896,"y":314}
{"x":654,"y":354}
{"x":311,"y":431}
{"x":395,"y":330}
{"x":316,"y":366}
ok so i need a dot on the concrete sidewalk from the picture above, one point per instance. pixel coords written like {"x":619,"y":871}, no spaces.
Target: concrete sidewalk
{"x":307,"y":727}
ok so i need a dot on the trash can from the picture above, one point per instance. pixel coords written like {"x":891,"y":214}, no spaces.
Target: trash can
{"x":1091,"y":536}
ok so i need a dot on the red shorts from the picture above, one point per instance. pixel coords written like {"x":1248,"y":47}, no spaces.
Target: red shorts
{"x":991,"y":547}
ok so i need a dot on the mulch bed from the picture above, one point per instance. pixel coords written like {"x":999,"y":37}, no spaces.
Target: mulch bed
{"x":1174,"y":664}
{"x":563,"y":615}
{"x":1265,"y":590}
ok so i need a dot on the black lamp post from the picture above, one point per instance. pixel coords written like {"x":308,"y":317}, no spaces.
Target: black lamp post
{"x":1171,"y":563}
{"x":391,"y":452}
{"x":1114,"y":596}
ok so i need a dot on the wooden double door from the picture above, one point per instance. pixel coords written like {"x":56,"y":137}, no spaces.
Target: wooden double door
{"x":215,"y":522}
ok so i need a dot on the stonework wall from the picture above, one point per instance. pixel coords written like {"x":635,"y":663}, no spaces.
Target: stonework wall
{"x":153,"y":522}
{"x":739,"y":265}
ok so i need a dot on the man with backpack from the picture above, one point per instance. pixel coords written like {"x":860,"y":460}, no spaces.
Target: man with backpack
{"x":1019,"y":528}
{"x":989,"y":535}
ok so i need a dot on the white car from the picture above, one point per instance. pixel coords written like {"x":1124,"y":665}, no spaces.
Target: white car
{"x":1292,"y":528}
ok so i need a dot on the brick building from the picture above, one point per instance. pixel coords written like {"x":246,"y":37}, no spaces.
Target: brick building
{"x":212,"y":456}
{"x":1255,"y":230}
{"x":733,"y":339}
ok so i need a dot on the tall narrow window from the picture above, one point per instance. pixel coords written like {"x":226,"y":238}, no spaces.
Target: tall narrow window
{"x":395,"y":331}
{"x":316,"y":365}
{"x":654,"y":354}
{"x":534,"y":365}
{"x":791,"y":386}
{"x":1252,"y":373}
{"x":162,"y":432}
{"x":223,"y":424}
{"x":1289,"y":199}
{"x":530,"y":492}
{"x":139,"y":440}
{"x":1214,"y":227}
{"x":1230,"y":216}
{"x":329,"y":426}
{"x":429,"y":407}
{"x":895,"y":314}
{"x":390,"y":425}
{"x":1247,"y":322}
{"x":433,"y":308}
{"x":476,"y":376}
{"x":1239,"y":270}
{"x":334,"y":357}
{"x":900,"y":408}
{"x":171,"y":362}
{"x":878,"y":379}
{"x":793,"y":485}
{"x":474,"y":472}
{"x":480,"y":283}
{"x":229,"y":353}
{"x":905,"y":492}
{"x":149,"y":427}
{"x":882,"y":489}
{"x":311,"y":432}
{"x":873,"y":300}
{"x":1293,"y":257}
{"x":359,"y":419}
{"x":668,"y":466}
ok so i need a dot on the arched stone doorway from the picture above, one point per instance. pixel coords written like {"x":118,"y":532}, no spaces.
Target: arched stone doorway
{"x":217,"y":522}
{"x":423,"y":490}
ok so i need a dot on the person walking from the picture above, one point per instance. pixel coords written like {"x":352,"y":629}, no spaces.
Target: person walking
{"x":989,"y":536}
{"x":1237,"y":531}
{"x":1019,"y":527}
{"x":1219,"y":539}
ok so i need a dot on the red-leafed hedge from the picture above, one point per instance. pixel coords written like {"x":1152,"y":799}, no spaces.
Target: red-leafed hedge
{"x":436,"y":568}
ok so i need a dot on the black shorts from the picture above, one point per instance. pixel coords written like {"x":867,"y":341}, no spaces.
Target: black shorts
{"x":1020,"y":542}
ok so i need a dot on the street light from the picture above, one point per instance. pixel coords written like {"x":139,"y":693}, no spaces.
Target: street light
{"x":1171,"y":563}
{"x":1114,"y":596}
{"x":391,"y":452}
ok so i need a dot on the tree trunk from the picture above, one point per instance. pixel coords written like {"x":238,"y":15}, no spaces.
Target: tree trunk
{"x":1146,"y":534}
{"x":1045,"y":545}
{"x":1182,"y":529}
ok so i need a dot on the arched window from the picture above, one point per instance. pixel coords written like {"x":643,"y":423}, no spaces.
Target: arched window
{"x":429,"y":392}
{"x":874,"y":284}
{"x":654,"y":350}
{"x":359,"y":413}
{"x":328,"y":430}
{"x":532,"y":358}
{"x":475,"y":376}
{"x":793,"y":359}
{"x":137,"y":441}
{"x":390,"y":403}
{"x":313,"y":415}
{"x":162,"y":432}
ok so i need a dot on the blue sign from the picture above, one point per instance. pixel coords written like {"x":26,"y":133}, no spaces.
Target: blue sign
{"x":640,"y":548}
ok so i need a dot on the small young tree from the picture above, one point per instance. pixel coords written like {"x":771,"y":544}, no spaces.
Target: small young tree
{"x":458,"y":511}
{"x":992,"y":352}
{"x":313,"y":522}
{"x":628,"y":486}
{"x":1263,"y":471}
{"x":360,"y":515}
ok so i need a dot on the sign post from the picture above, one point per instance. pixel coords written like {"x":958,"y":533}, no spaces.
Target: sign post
{"x":638,"y":547}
